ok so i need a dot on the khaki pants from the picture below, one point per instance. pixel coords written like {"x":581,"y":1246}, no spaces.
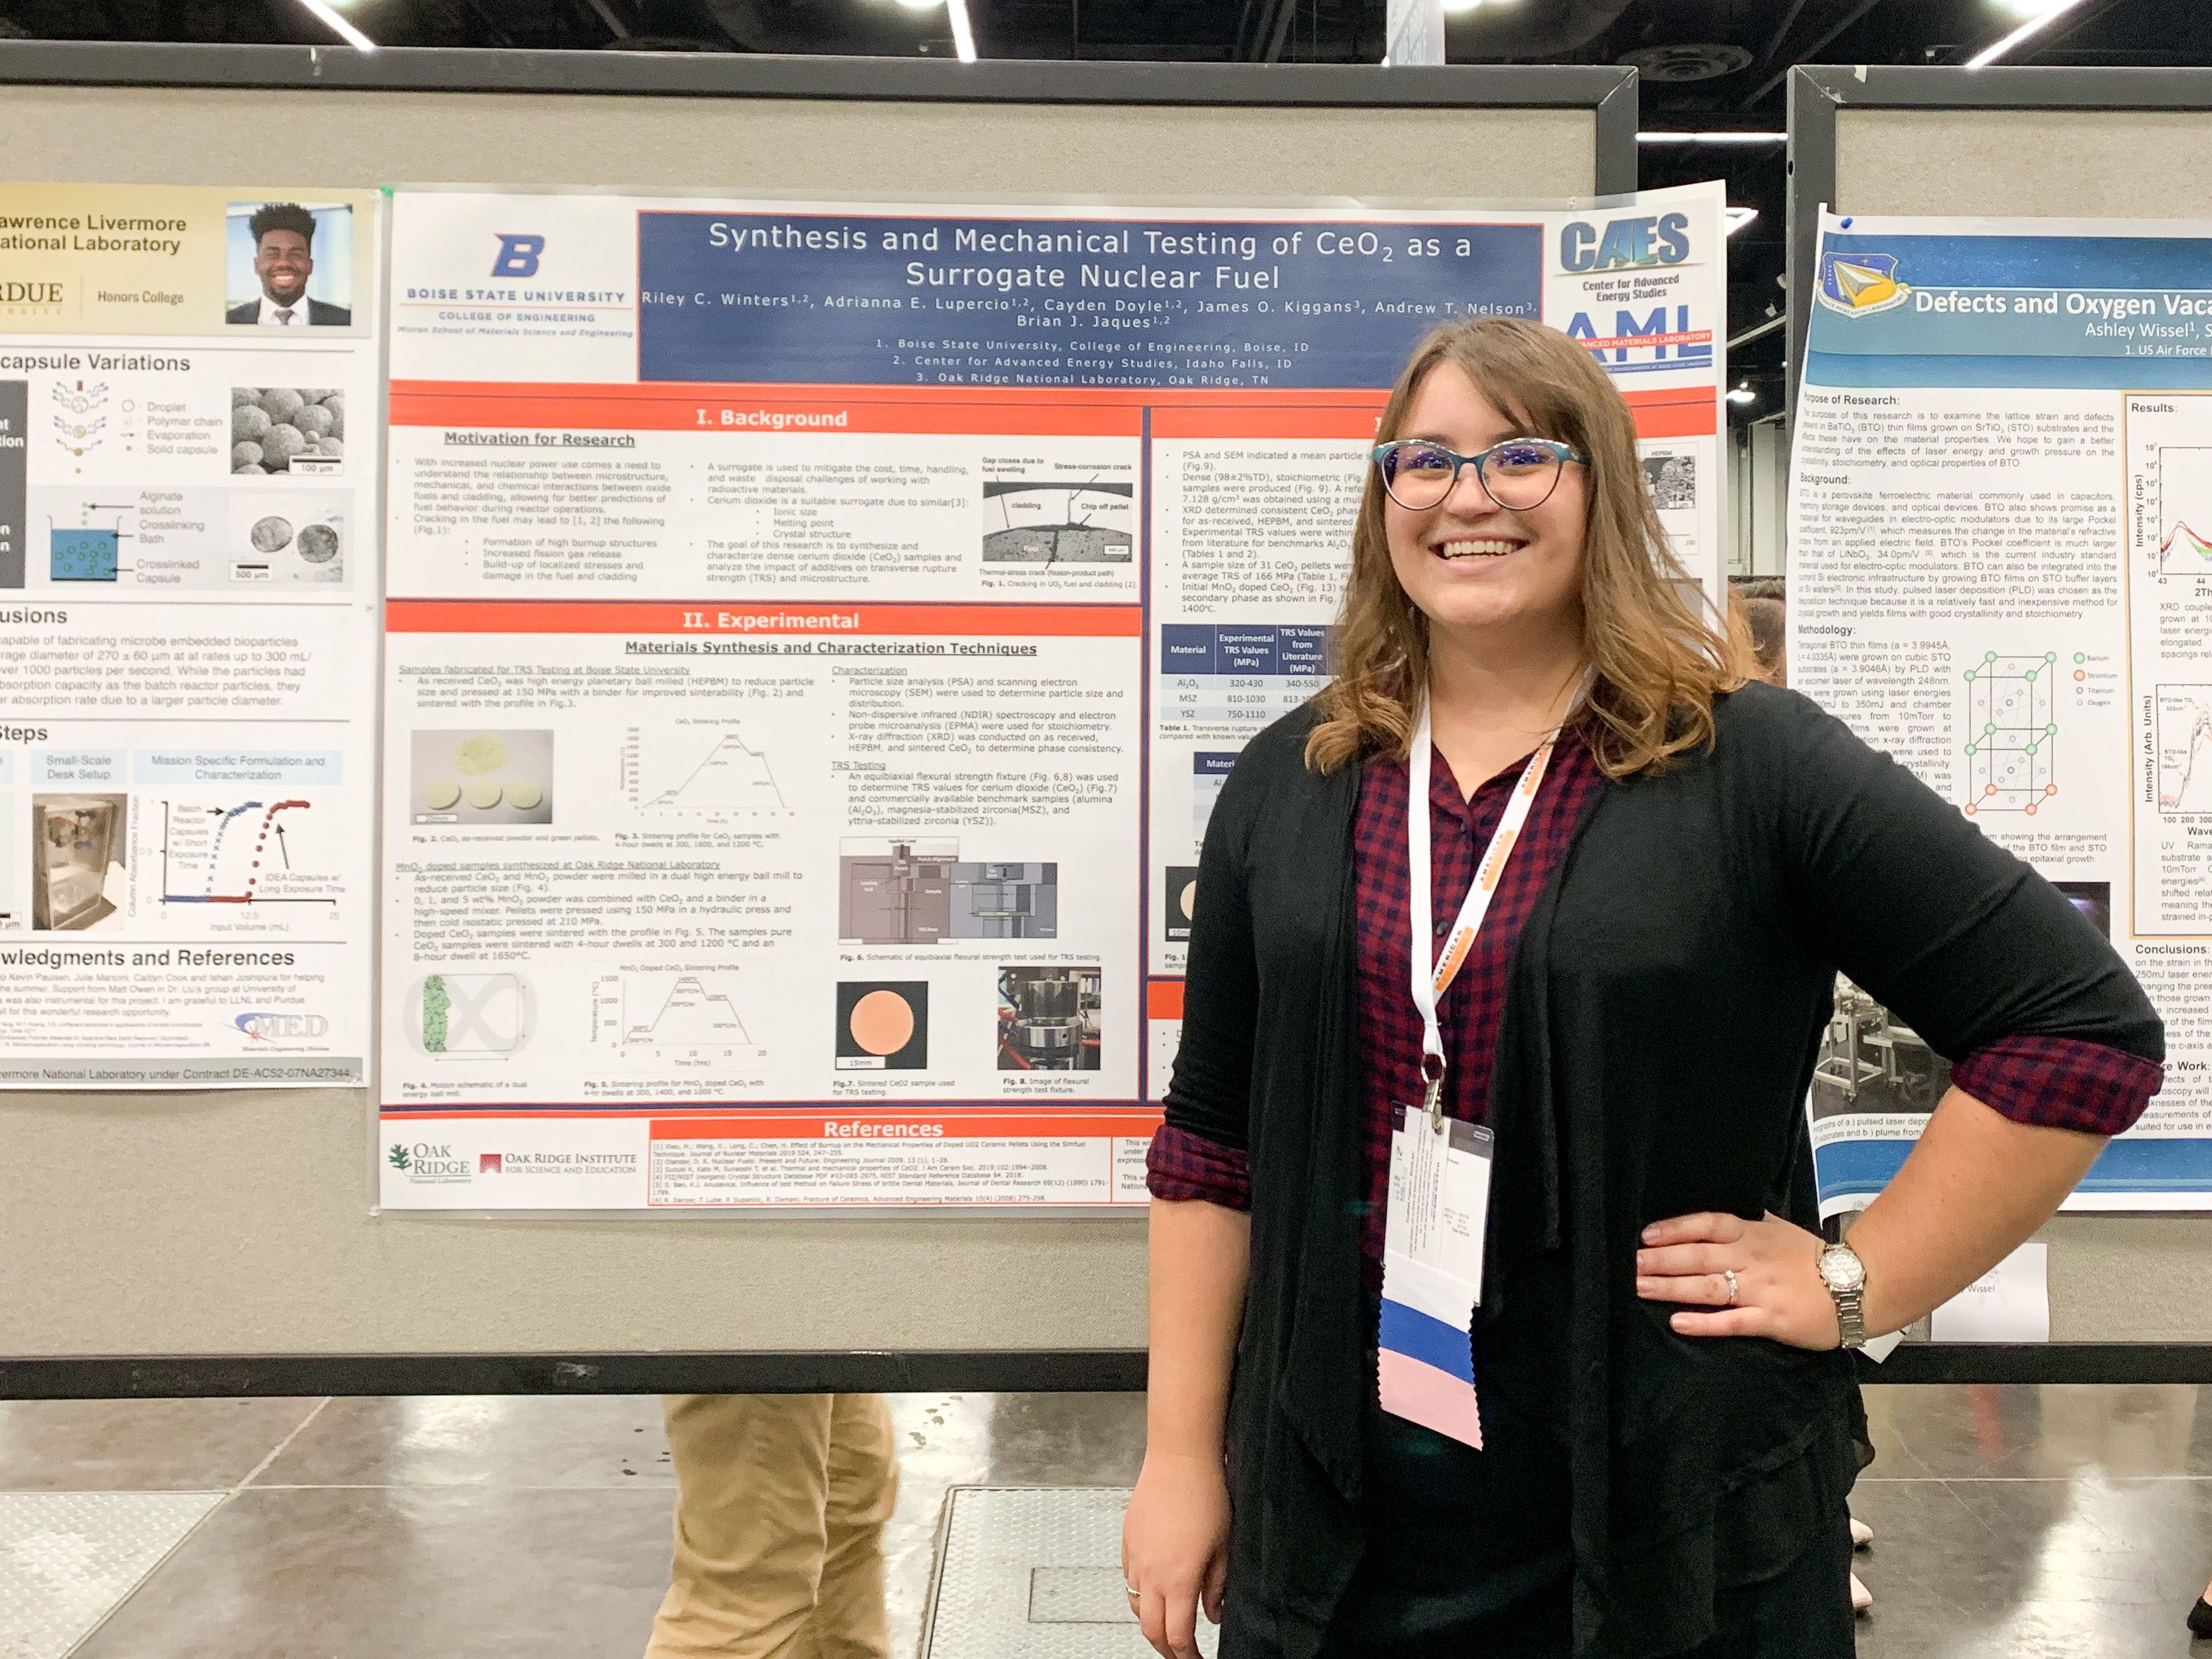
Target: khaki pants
{"x":779,"y":1511}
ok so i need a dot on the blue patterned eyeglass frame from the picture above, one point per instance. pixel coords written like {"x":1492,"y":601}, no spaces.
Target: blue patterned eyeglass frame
{"x":1561,"y":454}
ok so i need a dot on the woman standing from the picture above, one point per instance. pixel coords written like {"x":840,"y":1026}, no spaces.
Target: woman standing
{"x":1650,"y":1450}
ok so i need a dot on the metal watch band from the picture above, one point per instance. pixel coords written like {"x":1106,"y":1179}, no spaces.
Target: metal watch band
{"x":1849,"y":1320}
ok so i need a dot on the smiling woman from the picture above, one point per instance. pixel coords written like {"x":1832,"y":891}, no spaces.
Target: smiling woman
{"x":1539,"y":884}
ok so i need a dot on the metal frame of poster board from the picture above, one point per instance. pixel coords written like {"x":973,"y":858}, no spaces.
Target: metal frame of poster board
{"x":1820,"y":95}
{"x":2140,"y":1275}
{"x":223,"y":1244}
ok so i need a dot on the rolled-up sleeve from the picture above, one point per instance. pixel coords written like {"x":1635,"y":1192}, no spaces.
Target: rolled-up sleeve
{"x":2061,"y":1083}
{"x":1183,"y":1167}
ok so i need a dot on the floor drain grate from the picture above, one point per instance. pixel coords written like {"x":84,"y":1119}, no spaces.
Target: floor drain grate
{"x":1034,"y":1572}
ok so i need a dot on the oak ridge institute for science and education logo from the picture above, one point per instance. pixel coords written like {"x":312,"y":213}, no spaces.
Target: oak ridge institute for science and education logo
{"x":1861,"y":284}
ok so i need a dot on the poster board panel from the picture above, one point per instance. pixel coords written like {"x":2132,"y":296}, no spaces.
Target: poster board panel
{"x":240,"y":1224}
{"x":2047,"y":144}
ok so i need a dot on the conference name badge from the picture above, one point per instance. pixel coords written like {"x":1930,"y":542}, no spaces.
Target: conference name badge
{"x":1432,"y":1244}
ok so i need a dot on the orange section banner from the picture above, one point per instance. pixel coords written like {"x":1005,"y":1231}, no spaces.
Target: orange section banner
{"x":827,"y":1123}
{"x":1164,"y":999}
{"x":550,"y":408}
{"x":708,"y":618}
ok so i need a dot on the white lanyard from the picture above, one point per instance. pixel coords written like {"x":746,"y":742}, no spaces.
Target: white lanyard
{"x":1430,"y":980}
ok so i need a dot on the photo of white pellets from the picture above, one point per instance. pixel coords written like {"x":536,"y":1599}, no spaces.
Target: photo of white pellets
{"x":471,"y":779}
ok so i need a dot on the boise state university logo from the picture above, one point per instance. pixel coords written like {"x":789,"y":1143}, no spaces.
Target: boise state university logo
{"x":1861,"y":284}
{"x":517,"y":255}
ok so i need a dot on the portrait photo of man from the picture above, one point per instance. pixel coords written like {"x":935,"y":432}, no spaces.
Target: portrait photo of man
{"x":282,"y":236}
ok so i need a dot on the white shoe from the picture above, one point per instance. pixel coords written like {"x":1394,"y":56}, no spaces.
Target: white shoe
{"x":1862,"y":1533}
{"x":1861,"y":1597}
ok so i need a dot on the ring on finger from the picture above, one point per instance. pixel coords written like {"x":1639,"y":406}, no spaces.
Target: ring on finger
{"x":1728,"y":1274}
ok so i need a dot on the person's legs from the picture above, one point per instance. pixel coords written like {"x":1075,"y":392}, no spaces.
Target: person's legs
{"x":848,"y":1613}
{"x":753,"y":1474}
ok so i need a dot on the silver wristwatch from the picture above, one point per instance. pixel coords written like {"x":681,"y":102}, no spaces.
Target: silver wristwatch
{"x":1844,"y":1275}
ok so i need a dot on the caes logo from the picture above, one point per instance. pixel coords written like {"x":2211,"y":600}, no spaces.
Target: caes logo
{"x":1659,"y":240}
{"x":1861,"y":284}
{"x":517,"y":255}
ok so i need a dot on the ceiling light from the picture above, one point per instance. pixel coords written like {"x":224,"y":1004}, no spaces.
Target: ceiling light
{"x":963,"y":36}
{"x":1739,"y":217}
{"x":1742,"y":394}
{"x":2019,"y":8}
{"x":2051,"y":13}
{"x":1712,"y":137}
{"x":921,"y":5}
{"x":1460,"y":7}
{"x":338,"y":26}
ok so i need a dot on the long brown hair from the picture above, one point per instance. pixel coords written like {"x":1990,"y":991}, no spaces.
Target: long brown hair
{"x":1660,"y":658}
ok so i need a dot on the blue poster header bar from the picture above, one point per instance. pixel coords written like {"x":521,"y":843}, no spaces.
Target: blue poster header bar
{"x":829,"y":300}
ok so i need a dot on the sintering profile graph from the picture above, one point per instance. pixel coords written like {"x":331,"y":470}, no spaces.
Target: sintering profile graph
{"x":712,"y":771}
{"x":678,"y":1018}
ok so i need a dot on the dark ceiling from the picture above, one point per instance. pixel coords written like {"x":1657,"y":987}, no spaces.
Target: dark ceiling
{"x":1706,"y":63}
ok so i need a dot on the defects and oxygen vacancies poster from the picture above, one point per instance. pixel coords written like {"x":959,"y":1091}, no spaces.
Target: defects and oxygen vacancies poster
{"x":188,"y":589}
{"x":817,"y":633}
{"x":2000,"y":572}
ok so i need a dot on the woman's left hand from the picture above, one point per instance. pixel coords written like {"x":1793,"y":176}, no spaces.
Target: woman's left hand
{"x":1779,"y":1293}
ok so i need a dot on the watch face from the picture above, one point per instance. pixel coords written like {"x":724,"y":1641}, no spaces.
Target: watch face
{"x":1842,"y":1270}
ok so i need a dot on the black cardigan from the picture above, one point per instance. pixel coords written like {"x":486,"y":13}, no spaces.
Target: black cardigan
{"x":1663,"y":1015}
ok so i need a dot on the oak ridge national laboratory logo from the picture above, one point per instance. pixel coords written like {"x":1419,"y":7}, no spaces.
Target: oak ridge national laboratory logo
{"x":427,"y":1163}
{"x":1861,"y":284}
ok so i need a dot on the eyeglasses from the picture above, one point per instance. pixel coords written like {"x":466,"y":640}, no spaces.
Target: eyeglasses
{"x":1519,"y":473}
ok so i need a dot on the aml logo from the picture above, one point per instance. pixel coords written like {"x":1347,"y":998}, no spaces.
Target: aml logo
{"x":269,"y":1027}
{"x":517,"y":254}
{"x":426,"y":1161}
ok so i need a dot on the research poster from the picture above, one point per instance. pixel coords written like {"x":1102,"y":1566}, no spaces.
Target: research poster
{"x":2000,"y":574}
{"x":188,"y":638}
{"x":817,"y":632}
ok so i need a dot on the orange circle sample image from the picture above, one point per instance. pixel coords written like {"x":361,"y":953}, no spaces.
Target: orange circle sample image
{"x":1187,"y":899}
{"x":881,"y":1022}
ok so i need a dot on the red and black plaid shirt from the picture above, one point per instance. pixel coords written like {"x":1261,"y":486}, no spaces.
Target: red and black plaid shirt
{"x":2060,"y":1082}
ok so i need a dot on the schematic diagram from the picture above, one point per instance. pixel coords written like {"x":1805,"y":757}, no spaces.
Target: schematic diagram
{"x":2011,"y":733}
{"x":917,"y":892}
{"x":86,"y":551}
{"x":80,"y":416}
{"x":470,"y":1015}
{"x":705,"y":769}
{"x":673,"y":1019}
{"x":1052,"y":521}
{"x":2182,"y":715}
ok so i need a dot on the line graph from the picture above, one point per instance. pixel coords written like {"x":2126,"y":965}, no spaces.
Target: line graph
{"x":2182,"y":714}
{"x":707,"y":770}
{"x":675,"y":1019}
{"x":2171,"y":486}
{"x":2184,"y":476}
{"x":237,"y":854}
